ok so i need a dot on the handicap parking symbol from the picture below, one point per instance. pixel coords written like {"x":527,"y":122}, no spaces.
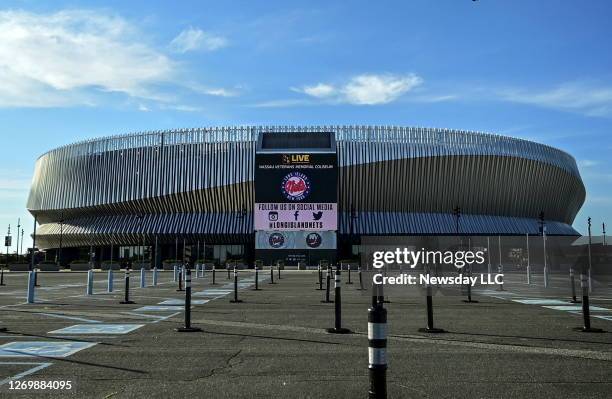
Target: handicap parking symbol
{"x":98,"y":328}
{"x":43,"y":348}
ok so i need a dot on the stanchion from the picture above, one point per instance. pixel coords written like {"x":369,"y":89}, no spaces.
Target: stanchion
{"x":89,"y":290}
{"x":188,"y":327}
{"x":31,"y":288}
{"x":155,"y":271}
{"x":180,"y":281}
{"x":126,"y":299}
{"x":349,"y":274}
{"x":271,"y":275}
{"x":228,"y":272}
{"x":320,"y":278}
{"x":545,"y":276}
{"x":469,"y":287}
{"x":360,"y":278}
{"x":500,"y":270}
{"x":36,"y":277}
{"x":109,"y":282}
{"x":586,"y":316}
{"x":430,"y":320}
{"x":175,"y":273}
{"x":573,"y":283}
{"x":338,"y":329}
{"x":278,"y":269}
{"x":377,"y":350}
{"x":214,"y":271}
{"x":235,"y":300}
{"x":256,"y":279}
{"x":2,"y":276}
{"x":143,"y":282}
{"x":327,"y":285}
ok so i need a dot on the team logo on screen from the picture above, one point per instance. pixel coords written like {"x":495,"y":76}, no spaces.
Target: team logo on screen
{"x":313,"y":240}
{"x":295,"y":186}
{"x":276,"y":240}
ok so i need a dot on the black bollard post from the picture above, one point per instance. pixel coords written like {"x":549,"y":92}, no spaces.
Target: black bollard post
{"x":235,"y":300}
{"x":2,"y":276}
{"x":327,"y":285}
{"x":349,"y":275}
{"x":213,"y":275}
{"x":430,"y":321}
{"x":188,"y":327}
{"x":573,"y":282}
{"x":271,"y":275}
{"x":256,"y":279}
{"x":36,"y":278}
{"x":180,"y":280}
{"x":278,"y":270}
{"x":228,"y":271}
{"x":338,"y":329}
{"x":320,"y":279}
{"x":586,"y":316}
{"x":126,"y":299}
{"x":377,"y":350}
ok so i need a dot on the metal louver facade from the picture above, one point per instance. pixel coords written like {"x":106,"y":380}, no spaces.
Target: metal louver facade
{"x":198,"y":183}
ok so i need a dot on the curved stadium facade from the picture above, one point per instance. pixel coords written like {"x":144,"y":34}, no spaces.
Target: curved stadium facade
{"x":198,"y":184}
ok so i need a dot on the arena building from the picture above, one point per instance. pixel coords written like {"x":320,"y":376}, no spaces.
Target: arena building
{"x":293,"y":193}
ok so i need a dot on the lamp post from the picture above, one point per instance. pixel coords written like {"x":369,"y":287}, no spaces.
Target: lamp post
{"x":589,"y":271}
{"x":352,"y":220}
{"x":17,"y":234}
{"x":33,"y":260}
{"x":603,"y":226}
{"x":543,"y":230}
{"x":7,"y":243}
{"x":457,"y":213}
{"x":59,"y":255}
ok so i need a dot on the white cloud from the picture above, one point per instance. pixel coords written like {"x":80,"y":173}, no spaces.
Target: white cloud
{"x":321,"y":90}
{"x":367,"y":89}
{"x":588,"y":163}
{"x":192,"y":39}
{"x":69,"y":57}
{"x":585,"y":98}
{"x":281,"y":103}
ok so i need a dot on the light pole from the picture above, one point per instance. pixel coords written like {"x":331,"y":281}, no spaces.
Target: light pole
{"x":603,"y":225}
{"x":457,"y":213}
{"x":543,"y":228}
{"x":33,"y":260}
{"x":589,"y":271}
{"x":7,"y":243}
{"x":21,"y":249}
{"x":59,"y":255}
{"x":528,"y":262}
{"x":17,"y":234}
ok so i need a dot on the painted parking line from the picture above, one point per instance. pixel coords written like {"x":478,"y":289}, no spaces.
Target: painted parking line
{"x":550,"y":302}
{"x":154,"y":308}
{"x":609,"y":318}
{"x":63,"y":316}
{"x":98,"y":328}
{"x":32,"y":370}
{"x":212,"y":292}
{"x":570,"y":308}
{"x":43,"y":348}
{"x":181,"y":302}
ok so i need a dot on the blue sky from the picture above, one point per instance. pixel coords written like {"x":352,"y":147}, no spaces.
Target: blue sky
{"x":540,"y":70}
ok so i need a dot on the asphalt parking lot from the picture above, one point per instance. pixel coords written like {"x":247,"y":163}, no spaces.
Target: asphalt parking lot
{"x":518,"y":343}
